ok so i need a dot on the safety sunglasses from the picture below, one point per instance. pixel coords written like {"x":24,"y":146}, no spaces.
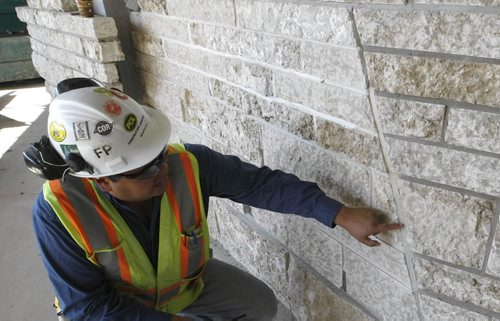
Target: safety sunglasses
{"x":147,"y":171}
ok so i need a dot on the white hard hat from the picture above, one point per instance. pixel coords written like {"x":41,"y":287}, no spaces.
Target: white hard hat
{"x":109,"y":130}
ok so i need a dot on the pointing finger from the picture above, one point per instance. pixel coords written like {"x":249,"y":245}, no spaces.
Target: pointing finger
{"x":389,"y":227}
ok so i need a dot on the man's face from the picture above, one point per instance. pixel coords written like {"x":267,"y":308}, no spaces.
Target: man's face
{"x":140,"y":184}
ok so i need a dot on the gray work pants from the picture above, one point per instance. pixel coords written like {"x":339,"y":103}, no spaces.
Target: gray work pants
{"x":232,"y":294}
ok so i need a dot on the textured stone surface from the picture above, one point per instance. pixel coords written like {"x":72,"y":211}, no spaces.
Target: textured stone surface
{"x":359,"y":146}
{"x":474,"y":129}
{"x":226,"y":124}
{"x":276,"y":113}
{"x":160,"y":26}
{"x":382,"y":195}
{"x":105,"y":72}
{"x":184,"y":133}
{"x":381,"y":294}
{"x":302,"y":236}
{"x":162,"y":94}
{"x":50,"y":70}
{"x":57,"y":5}
{"x":308,"y":298}
{"x":252,"y":76}
{"x":385,"y":258}
{"x":155,"y":6}
{"x":331,"y":25}
{"x":411,"y":118}
{"x":457,"y":284}
{"x":148,"y":44}
{"x":434,"y":309}
{"x":446,"y":225}
{"x":460,"y":33}
{"x":493,"y":266}
{"x":491,"y":3}
{"x":338,"y":65}
{"x":248,"y":44}
{"x":470,"y":82}
{"x":218,"y":11}
{"x":95,"y":28}
{"x":344,"y":180}
{"x":445,"y":166}
{"x":348,"y":105}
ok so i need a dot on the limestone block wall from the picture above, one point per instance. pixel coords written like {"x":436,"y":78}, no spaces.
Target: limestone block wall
{"x":390,"y":104}
{"x":385,"y":103}
{"x":67,"y":45}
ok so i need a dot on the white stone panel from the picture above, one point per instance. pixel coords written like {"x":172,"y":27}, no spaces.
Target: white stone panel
{"x":335,"y":64}
{"x":446,"y":225}
{"x":218,"y":11}
{"x":331,"y":25}
{"x":445,"y":166}
{"x":251,"y":76}
{"x":384,"y":296}
{"x":458,"y":284}
{"x":411,"y":118}
{"x":160,"y":26}
{"x":355,"y":144}
{"x":437,"y":310}
{"x":459,"y":33}
{"x":493,"y":266}
{"x":342,"y":179}
{"x":345,"y":104}
{"x":474,"y":129}
{"x":457,"y":80}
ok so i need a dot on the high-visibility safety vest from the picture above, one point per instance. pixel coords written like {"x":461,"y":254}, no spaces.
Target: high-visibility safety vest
{"x":98,"y":228}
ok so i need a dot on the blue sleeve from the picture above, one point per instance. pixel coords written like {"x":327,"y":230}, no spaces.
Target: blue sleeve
{"x":83,"y":292}
{"x":229,"y":177}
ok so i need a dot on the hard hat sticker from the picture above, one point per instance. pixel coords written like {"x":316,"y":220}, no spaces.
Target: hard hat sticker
{"x":112,"y":108}
{"x":103,"y":151}
{"x":66,"y":149}
{"x":111,"y":93}
{"x":81,"y":129}
{"x":57,"y":131}
{"x":130,"y":122}
{"x":103,"y":128}
{"x":138,"y":128}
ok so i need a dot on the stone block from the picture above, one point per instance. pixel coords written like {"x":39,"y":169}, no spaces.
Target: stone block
{"x":162,"y":94}
{"x":105,"y":72}
{"x":217,"y":11}
{"x":435,"y":309}
{"x":474,"y":129}
{"x":457,"y":284}
{"x":384,"y":296}
{"x":446,"y":225}
{"x":154,"y":6}
{"x":15,"y":48}
{"x":57,"y":5}
{"x":148,"y":44}
{"x":489,"y":3}
{"x":342,"y":179}
{"x":293,"y":283}
{"x":252,"y":76}
{"x":303,"y":237}
{"x":493,"y":266}
{"x":338,"y":65}
{"x":158,"y":26}
{"x":51,"y":70}
{"x":184,"y":133}
{"x":277,"y":113}
{"x":457,"y":80}
{"x":331,"y":25}
{"x":357,"y":145}
{"x":17,"y":70}
{"x":411,"y":118}
{"x":345,"y":104}
{"x":459,"y":33}
{"x":98,"y":27}
{"x":229,"y":125}
{"x":450,"y":167}
{"x":248,"y":44}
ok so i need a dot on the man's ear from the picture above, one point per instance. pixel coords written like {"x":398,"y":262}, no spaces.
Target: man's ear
{"x":104,"y":183}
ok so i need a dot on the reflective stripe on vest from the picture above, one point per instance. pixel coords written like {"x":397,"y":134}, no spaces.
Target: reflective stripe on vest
{"x":102,"y":233}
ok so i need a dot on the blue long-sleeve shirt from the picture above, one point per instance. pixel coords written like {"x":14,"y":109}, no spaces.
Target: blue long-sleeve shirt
{"x":81,"y":286}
